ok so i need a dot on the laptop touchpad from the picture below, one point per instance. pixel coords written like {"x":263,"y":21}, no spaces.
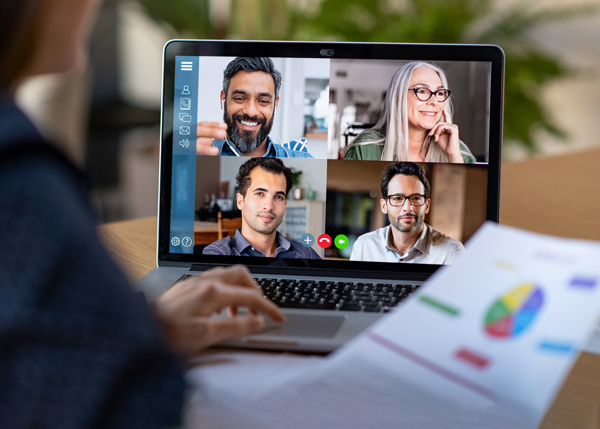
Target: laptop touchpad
{"x":302,"y":325}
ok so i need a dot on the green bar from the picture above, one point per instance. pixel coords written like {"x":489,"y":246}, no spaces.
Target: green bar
{"x":439,"y":305}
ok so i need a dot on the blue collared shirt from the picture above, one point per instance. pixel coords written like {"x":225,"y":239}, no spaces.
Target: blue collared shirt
{"x":239,"y":246}
{"x":291,"y":149}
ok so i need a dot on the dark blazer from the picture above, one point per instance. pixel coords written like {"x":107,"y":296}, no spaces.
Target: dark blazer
{"x":78,"y":347}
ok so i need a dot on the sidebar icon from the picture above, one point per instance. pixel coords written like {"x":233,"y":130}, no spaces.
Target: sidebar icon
{"x":183,"y":179}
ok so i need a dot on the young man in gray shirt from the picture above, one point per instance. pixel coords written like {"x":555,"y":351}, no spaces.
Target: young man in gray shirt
{"x":263,"y":186}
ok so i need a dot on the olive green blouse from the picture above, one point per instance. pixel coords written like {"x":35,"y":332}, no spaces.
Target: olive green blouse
{"x":372,"y":151}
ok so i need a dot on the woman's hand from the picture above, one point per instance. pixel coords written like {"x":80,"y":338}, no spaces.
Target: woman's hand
{"x":445,"y":134}
{"x":184,"y":310}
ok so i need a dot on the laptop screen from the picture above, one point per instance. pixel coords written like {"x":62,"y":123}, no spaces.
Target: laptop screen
{"x":344,"y":156}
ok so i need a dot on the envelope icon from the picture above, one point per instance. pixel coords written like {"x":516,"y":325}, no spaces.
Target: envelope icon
{"x":184,"y":130}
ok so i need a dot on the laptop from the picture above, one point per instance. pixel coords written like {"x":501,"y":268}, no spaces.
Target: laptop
{"x":339,"y":264}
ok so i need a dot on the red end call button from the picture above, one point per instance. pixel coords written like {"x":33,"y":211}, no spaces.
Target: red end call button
{"x":324,"y":241}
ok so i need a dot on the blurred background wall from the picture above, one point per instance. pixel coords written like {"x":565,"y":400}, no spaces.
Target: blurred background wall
{"x":108,"y":110}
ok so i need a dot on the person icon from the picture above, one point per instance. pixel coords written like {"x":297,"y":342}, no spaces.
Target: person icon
{"x":186,"y":90}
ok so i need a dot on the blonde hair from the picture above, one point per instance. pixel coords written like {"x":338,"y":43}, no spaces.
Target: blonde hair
{"x":393,"y":122}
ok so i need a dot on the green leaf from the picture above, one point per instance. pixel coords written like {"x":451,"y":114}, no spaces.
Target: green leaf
{"x":185,"y":16}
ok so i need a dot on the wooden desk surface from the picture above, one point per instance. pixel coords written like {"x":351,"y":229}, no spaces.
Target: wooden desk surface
{"x":556,"y":195}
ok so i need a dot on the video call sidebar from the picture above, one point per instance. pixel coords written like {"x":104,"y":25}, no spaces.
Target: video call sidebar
{"x":183,"y":179}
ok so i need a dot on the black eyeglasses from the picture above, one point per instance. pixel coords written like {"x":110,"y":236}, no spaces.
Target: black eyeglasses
{"x":425,"y":94}
{"x":414,"y":199}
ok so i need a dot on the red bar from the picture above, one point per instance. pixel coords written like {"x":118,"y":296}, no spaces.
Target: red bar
{"x":473,"y":358}
{"x":432,"y":366}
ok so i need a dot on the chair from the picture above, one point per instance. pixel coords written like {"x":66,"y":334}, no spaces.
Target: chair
{"x":227,"y":226}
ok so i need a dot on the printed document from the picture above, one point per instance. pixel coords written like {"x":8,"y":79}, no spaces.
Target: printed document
{"x":486,"y":342}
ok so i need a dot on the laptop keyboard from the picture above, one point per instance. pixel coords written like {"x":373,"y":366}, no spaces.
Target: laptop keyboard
{"x":330,"y":295}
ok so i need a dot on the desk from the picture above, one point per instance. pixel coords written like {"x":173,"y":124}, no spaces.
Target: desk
{"x":535,"y":196}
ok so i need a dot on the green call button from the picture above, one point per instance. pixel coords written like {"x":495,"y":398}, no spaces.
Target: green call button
{"x":341,"y":241}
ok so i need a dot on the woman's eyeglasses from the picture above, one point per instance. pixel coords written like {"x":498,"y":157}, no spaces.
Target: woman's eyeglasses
{"x":425,"y":94}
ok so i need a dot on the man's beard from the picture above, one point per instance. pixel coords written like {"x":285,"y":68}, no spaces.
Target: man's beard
{"x":395,"y":222}
{"x":246,"y":141}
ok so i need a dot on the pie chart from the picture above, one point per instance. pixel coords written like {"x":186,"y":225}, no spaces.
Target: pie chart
{"x":513,"y":312}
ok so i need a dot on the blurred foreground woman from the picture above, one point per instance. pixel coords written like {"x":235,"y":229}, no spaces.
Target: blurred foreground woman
{"x":79,"y":348}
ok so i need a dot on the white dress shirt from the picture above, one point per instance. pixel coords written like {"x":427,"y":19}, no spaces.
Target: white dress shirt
{"x":432,"y":247}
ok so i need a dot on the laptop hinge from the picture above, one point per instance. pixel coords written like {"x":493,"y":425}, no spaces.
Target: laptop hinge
{"x":324,"y":273}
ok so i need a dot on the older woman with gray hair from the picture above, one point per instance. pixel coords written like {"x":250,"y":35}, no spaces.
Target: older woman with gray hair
{"x":416,"y":121}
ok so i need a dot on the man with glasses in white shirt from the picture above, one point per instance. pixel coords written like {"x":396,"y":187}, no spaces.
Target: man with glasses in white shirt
{"x":405,"y":200}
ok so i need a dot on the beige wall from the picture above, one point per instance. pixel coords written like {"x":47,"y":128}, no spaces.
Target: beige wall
{"x":574,"y":103}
